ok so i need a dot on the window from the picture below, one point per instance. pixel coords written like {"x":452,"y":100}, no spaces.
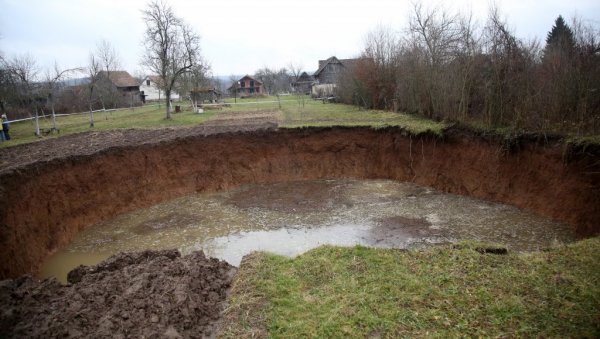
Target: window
{"x":251,"y":83}
{"x":147,"y":82}
{"x":242,"y":84}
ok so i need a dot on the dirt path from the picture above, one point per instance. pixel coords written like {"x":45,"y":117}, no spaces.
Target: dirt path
{"x":96,"y":141}
{"x":151,"y":294}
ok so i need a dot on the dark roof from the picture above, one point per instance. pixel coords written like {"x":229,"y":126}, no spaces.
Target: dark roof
{"x":305,"y":77}
{"x":120,"y":78}
{"x":334,"y":60}
{"x":250,"y":78}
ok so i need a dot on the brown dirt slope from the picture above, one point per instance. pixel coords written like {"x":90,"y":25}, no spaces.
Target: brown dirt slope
{"x":88,"y":143}
{"x":43,"y":205}
{"x":143,"y":295}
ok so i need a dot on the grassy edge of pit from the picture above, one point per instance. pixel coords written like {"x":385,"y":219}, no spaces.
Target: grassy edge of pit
{"x":469,"y":289}
{"x":298,"y":113}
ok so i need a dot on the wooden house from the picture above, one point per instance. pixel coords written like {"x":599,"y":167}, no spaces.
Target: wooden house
{"x":119,"y":88}
{"x":330,"y":69}
{"x":303,"y":83}
{"x":205,"y":95}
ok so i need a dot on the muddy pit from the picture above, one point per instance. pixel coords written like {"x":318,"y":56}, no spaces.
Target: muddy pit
{"x":292,"y":217}
{"x":53,"y":193}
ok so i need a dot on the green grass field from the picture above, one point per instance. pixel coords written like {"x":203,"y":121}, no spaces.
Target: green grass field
{"x":294,"y":112}
{"x":304,"y":112}
{"x":442,"y":292}
{"x":151,"y":116}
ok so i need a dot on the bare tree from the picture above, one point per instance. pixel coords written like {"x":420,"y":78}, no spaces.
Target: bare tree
{"x":295,"y":71}
{"x":7,"y":84}
{"x":469,"y":49}
{"x":172,"y":47}
{"x":587,"y":64}
{"x":25,"y":71}
{"x":191,"y":82}
{"x":435,"y":34}
{"x":275,"y":82}
{"x":267,"y":77}
{"x":436,"y":30}
{"x":108,"y":60}
{"x":52,"y":85}
{"x":234,"y":88}
{"x":93,"y":70}
{"x":503,"y":50}
{"x":380,"y":58}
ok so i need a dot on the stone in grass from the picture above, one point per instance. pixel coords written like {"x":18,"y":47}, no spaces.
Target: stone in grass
{"x":483,"y":248}
{"x":491,"y":250}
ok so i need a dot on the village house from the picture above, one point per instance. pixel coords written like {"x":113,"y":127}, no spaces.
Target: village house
{"x":205,"y":95}
{"x":326,"y":77}
{"x":247,"y":86}
{"x":119,"y":87}
{"x":330,"y":69}
{"x":151,"y":90}
{"x":121,"y":80}
{"x":304,"y":83}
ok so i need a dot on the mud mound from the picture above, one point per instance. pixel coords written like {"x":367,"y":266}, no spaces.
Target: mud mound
{"x":145,"y":294}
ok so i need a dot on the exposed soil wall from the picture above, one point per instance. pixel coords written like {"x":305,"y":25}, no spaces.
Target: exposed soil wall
{"x":44,"y":205}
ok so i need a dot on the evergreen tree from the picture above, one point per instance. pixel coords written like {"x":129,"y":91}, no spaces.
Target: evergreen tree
{"x":560,"y":38}
{"x":560,"y":72}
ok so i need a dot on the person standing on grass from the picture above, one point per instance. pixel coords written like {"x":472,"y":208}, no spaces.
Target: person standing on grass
{"x":2,"y":132}
{"x":5,"y":127}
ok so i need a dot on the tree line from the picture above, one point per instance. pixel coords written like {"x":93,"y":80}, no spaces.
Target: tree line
{"x":445,"y":67}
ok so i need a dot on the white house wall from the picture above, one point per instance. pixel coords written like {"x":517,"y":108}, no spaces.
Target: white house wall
{"x":152,"y":92}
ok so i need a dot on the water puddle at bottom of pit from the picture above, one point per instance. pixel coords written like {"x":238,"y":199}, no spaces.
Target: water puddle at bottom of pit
{"x":293,"y":217}
{"x":294,"y":241}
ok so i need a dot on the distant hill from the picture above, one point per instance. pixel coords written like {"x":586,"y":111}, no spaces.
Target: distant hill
{"x":76,"y":81}
{"x":225,"y":81}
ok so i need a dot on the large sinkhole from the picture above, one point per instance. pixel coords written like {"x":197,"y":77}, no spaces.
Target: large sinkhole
{"x":286,"y":191}
{"x":292,"y":217}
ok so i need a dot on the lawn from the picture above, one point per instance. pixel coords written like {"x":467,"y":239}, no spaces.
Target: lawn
{"x":302,"y":111}
{"x":294,"y":112}
{"x":447,"y":291}
{"x":150,"y":116}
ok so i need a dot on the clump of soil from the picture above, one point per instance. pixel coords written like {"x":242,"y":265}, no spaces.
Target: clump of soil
{"x":288,"y":196}
{"x":144,"y":294}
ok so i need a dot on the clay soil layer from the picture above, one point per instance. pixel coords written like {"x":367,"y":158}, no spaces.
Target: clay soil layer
{"x":90,"y":177}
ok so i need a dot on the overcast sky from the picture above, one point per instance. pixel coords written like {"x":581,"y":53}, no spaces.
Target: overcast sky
{"x":241,"y":36}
